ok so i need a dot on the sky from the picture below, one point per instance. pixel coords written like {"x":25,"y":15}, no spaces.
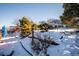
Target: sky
{"x":9,"y":12}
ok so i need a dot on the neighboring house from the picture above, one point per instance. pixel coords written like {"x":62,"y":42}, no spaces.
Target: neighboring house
{"x":77,"y":19}
{"x":12,"y":30}
{"x":55,"y":23}
{"x":72,"y":21}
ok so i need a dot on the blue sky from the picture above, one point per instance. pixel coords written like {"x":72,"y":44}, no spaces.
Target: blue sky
{"x":36,"y":12}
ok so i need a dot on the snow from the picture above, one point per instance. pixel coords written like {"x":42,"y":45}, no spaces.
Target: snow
{"x":63,"y":30}
{"x":68,"y":45}
{"x":4,"y":43}
{"x":72,"y":36}
{"x":67,"y":52}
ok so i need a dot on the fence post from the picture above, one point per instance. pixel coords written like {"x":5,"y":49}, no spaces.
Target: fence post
{"x":0,"y":37}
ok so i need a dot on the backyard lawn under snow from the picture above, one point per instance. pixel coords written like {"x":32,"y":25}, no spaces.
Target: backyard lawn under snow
{"x":68,"y":45}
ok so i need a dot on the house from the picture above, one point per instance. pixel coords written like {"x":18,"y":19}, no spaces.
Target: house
{"x":12,"y":30}
{"x":72,"y":21}
{"x":55,"y":23}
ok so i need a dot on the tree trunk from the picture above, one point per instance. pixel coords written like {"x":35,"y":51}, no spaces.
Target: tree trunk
{"x":32,"y":35}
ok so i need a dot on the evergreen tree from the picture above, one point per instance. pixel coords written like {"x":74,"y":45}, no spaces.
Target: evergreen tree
{"x":25,"y":26}
{"x":44,"y":26}
{"x":71,"y":10}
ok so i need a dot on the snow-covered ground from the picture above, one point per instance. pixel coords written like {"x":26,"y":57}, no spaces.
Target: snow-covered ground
{"x":68,"y":44}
